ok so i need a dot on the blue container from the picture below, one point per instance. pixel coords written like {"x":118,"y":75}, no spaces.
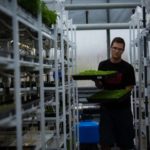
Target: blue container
{"x":59,"y":74}
{"x":89,"y":132}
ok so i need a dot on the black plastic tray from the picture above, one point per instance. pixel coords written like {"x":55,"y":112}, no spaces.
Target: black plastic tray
{"x":86,"y":77}
{"x":92,"y":77}
{"x":109,"y":96}
{"x":32,"y":147}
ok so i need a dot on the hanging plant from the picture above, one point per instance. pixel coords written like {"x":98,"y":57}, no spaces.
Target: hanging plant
{"x":35,"y":6}
{"x":31,"y":6}
{"x":48,"y":16}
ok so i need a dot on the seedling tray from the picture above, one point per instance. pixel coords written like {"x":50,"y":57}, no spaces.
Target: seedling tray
{"x":92,"y":74}
{"x":107,"y":96}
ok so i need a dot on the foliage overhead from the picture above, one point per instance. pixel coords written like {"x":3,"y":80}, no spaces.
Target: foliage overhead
{"x":36,"y":6}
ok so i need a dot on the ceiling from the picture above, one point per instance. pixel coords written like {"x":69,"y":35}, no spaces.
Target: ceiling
{"x":99,"y":15}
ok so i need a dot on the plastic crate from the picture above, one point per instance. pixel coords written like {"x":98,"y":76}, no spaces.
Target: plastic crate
{"x":89,"y":132}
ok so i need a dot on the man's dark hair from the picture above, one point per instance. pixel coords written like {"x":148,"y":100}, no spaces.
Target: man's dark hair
{"x":118,"y":40}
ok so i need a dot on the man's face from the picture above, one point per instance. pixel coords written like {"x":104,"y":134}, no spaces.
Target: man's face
{"x":117,"y":50}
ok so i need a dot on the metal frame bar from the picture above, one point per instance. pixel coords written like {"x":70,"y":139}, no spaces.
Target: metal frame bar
{"x":146,"y":80}
{"x":100,"y":6}
{"x":102,"y":26}
{"x":42,"y":103}
{"x":56,"y":89}
{"x":69,"y":84}
{"x":63,"y":77}
{"x":17,"y":77}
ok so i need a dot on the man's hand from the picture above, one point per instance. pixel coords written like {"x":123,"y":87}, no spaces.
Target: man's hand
{"x":130,"y":87}
{"x":98,"y":83}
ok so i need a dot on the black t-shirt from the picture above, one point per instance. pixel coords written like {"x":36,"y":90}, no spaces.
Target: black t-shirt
{"x":124,"y":77}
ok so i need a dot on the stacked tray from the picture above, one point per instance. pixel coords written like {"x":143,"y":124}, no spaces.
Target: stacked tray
{"x":106,"y":96}
{"x":92,"y":74}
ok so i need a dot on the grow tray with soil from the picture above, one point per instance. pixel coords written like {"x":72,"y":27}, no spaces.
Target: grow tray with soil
{"x":106,"y":96}
{"x":92,"y":74}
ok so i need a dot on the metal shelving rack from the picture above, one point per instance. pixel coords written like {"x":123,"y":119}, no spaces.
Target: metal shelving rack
{"x":140,"y":58}
{"x":58,"y":41}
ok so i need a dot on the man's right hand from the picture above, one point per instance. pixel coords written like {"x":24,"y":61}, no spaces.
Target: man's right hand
{"x":98,"y":83}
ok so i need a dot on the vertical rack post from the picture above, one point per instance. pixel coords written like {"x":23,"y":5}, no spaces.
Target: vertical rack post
{"x":71,"y":103}
{"x":56,"y":86}
{"x":63,"y":76}
{"x":73,"y":88}
{"x":145,"y":79}
{"x":131,"y":57}
{"x":69,"y":83}
{"x":139,"y":88}
{"x":76,"y":89}
{"x":140,"y":96}
{"x":17,"y":77}
{"x":42,"y":106}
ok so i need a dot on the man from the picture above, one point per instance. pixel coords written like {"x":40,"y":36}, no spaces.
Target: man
{"x":116,"y":120}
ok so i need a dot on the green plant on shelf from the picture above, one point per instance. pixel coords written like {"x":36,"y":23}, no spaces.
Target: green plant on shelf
{"x":6,"y":107}
{"x":49,"y":17}
{"x":49,"y":109}
{"x":97,"y":72}
{"x":31,"y":6}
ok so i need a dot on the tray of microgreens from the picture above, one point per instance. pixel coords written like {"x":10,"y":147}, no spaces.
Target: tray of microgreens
{"x":105,"y":96}
{"x":92,"y":74}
